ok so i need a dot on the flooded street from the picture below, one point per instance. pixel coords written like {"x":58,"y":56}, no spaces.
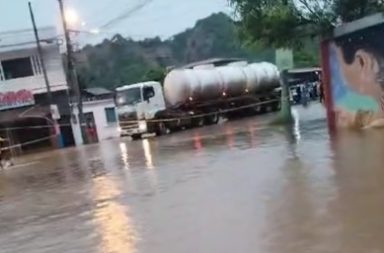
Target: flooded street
{"x":240,"y":186}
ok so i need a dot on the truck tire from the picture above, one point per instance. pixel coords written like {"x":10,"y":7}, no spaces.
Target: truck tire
{"x":136,"y":137}
{"x":257,"y":109}
{"x":212,"y":119}
{"x":198,"y":122}
{"x":161,"y":129}
{"x":277,"y":106}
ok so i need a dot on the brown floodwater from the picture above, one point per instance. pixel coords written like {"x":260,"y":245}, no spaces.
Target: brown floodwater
{"x":240,"y":186}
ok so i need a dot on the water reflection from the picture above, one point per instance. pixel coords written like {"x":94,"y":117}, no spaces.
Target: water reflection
{"x":296,"y":125}
{"x":148,"y":154}
{"x":297,"y":216}
{"x":291,"y":215}
{"x":229,"y":133}
{"x":251,"y":132}
{"x":197,"y":142}
{"x":299,"y":190}
{"x":359,"y":174}
{"x":124,"y":154}
{"x":151,"y":174}
{"x":111,"y":218}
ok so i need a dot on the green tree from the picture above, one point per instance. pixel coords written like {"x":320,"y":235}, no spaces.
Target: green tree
{"x":155,"y":74}
{"x":286,"y":23}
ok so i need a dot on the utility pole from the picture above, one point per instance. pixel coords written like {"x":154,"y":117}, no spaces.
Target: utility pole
{"x":40,"y":53}
{"x":72,"y":75}
{"x":56,"y":128}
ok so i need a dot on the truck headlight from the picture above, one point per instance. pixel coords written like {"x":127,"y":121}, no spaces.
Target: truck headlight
{"x":143,"y":126}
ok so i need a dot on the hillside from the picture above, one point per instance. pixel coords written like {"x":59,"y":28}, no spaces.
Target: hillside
{"x":119,"y":60}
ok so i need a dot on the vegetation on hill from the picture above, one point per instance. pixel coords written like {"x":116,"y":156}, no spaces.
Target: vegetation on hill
{"x":119,"y":60}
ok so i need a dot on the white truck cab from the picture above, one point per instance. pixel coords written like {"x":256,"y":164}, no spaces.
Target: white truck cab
{"x":136,"y":105}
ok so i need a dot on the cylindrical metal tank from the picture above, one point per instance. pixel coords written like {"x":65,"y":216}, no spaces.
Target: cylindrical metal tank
{"x":234,"y":80}
{"x":205,"y":84}
{"x":206,"y":66}
{"x":238,"y":64}
{"x":267,"y":74}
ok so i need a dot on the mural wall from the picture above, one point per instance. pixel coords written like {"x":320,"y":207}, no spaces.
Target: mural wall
{"x":356,"y":78}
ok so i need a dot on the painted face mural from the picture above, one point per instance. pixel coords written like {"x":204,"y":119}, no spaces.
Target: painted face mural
{"x":357,"y":78}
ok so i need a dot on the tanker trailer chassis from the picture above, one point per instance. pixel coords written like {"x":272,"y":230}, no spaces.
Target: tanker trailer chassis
{"x":192,"y":115}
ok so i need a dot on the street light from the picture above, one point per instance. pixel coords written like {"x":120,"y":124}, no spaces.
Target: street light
{"x":71,"y":17}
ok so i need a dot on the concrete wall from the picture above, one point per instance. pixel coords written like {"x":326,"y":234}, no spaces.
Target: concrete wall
{"x":353,"y":74}
{"x":105,"y":130}
{"x":21,"y":44}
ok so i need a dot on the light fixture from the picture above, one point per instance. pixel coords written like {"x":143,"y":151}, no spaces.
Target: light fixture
{"x":71,"y":17}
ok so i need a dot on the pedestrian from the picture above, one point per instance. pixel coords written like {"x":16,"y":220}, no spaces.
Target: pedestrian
{"x":298,"y":94}
{"x":321,"y":92}
{"x":315,"y":92}
{"x":305,"y":96}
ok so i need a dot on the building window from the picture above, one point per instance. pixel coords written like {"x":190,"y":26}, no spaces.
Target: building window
{"x":110,"y":114}
{"x":17,"y":68}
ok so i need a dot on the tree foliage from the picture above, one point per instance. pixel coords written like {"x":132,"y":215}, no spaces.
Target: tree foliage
{"x":285,"y":23}
{"x":155,"y":74}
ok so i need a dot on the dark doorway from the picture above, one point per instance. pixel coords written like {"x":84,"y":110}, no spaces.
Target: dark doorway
{"x":66,"y":131}
{"x":90,"y":128}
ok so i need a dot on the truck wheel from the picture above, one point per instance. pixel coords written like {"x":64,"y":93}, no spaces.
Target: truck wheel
{"x":213,"y":119}
{"x":136,"y":137}
{"x":161,"y":129}
{"x":198,"y":122}
{"x":277,"y":106}
{"x":257,"y":109}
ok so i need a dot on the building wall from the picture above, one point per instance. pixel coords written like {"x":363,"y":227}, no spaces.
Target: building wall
{"x":105,"y":130}
{"x":16,"y":45}
{"x":36,"y":83}
{"x":353,"y":74}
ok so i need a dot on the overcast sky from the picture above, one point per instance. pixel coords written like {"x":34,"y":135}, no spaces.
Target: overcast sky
{"x":162,"y":18}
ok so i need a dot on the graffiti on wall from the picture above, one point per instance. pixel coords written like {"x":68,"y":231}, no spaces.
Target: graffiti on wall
{"x":356,"y":63}
{"x":15,"y":99}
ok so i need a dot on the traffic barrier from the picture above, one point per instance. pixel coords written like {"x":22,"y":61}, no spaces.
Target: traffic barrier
{"x":19,"y":145}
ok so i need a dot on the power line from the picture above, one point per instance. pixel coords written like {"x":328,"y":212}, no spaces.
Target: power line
{"x":106,"y":8}
{"x":126,"y":14}
{"x":47,"y":40}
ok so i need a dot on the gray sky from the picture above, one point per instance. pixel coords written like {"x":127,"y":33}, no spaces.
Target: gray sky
{"x":162,"y":18}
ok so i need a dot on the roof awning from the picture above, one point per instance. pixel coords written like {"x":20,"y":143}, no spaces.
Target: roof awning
{"x":98,"y":91}
{"x":23,"y":113}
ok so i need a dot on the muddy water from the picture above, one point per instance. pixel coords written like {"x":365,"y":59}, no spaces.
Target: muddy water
{"x":237,"y":187}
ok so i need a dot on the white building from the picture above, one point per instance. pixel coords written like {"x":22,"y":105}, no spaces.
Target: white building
{"x":20,"y":66}
{"x":23,"y":93}
{"x":101,"y":115}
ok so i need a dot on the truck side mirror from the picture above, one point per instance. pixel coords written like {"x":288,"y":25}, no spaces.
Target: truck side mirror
{"x":148,"y":92}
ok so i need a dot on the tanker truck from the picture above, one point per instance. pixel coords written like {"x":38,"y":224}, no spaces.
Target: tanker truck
{"x":197,"y":97}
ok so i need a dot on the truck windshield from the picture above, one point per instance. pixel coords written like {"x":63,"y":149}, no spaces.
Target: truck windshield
{"x":128,"y":97}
